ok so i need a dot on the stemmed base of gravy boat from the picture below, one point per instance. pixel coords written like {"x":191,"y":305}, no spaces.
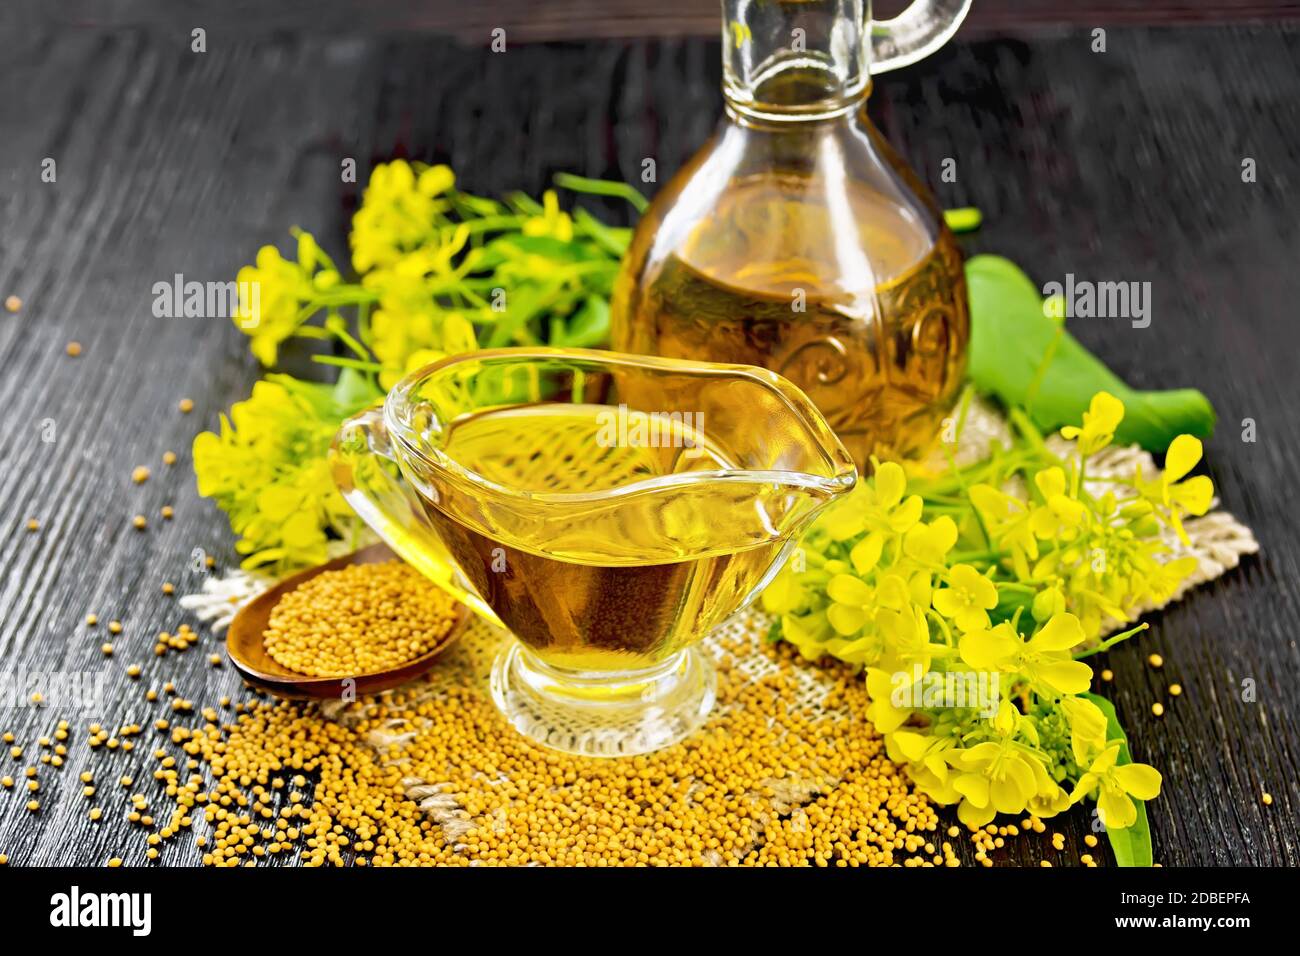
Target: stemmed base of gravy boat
{"x":604,"y":713}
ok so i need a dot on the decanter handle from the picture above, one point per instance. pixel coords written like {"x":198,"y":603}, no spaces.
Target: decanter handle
{"x":915,"y":33}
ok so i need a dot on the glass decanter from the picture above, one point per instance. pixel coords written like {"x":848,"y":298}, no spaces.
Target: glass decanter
{"x":797,"y":240}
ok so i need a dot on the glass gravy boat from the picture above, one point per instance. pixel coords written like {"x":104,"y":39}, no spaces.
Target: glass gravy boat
{"x":609,"y":510}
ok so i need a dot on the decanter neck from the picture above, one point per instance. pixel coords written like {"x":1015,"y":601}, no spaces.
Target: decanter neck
{"x":795,"y":59}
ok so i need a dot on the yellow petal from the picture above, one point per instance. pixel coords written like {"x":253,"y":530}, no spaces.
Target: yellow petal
{"x":1139,"y":780}
{"x":989,"y":650}
{"x":866,"y":553}
{"x":1060,"y":633}
{"x":910,"y":744}
{"x":890,"y":483}
{"x":974,"y":787}
{"x":974,"y":816}
{"x":1116,"y":809}
{"x":990,"y":502}
{"x":847,"y":619}
{"x":846,"y":589}
{"x":1105,"y":760}
{"x":1183,"y":454}
{"x":1105,"y":412}
{"x":1050,"y":481}
{"x":1194,"y":495}
{"x":1069,"y":677}
{"x":1010,"y":792}
{"x":907,"y":514}
{"x":949,"y":603}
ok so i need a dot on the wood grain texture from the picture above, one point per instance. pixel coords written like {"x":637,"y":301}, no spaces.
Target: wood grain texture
{"x":1120,"y":166}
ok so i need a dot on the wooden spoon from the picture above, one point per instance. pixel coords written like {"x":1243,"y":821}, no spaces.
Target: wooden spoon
{"x":248,"y":653}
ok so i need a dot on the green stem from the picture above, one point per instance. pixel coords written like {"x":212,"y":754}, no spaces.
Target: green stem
{"x":1112,"y":641}
{"x":344,"y":362}
{"x":602,"y":187}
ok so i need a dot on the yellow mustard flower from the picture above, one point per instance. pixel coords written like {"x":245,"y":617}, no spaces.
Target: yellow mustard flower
{"x":1087,"y":727}
{"x":276,"y":295}
{"x":930,"y":543}
{"x":876,"y":506}
{"x":553,"y":221}
{"x":852,"y":600}
{"x":967,"y":599}
{"x":398,"y":213}
{"x":1170,"y":493}
{"x":1060,"y":517}
{"x":1008,"y":521}
{"x":1118,"y":786}
{"x":1044,"y":658}
{"x":998,"y":776}
{"x":1103,"y":416}
{"x":906,"y":641}
{"x":883,"y":713}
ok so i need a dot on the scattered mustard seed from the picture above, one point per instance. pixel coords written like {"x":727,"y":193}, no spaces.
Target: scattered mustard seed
{"x":107,"y":649}
{"x":1155,"y":660}
{"x":133,"y":670}
{"x":1158,"y":709}
{"x":115,"y":862}
{"x":140,"y":475}
{"x":169,"y":458}
{"x":95,"y":813}
{"x":168,"y":588}
{"x":167,"y":512}
{"x":33,"y":524}
{"x":115,"y":627}
{"x":1108,"y":675}
{"x":7,"y":782}
{"x":33,"y":806}
{"x":73,"y":349}
{"x":139,"y":522}
{"x":13,"y":303}
{"x":1175,"y":690}
{"x":91,"y":620}
{"x":1267,"y":798}
{"x":186,"y":406}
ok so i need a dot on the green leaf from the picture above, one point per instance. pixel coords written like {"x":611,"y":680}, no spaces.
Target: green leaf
{"x":1026,"y":358}
{"x":590,"y":327}
{"x":354,"y":390}
{"x":963,"y":218}
{"x":1131,"y":845}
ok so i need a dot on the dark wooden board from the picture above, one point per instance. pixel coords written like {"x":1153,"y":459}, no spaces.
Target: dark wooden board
{"x":1123,"y":165}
